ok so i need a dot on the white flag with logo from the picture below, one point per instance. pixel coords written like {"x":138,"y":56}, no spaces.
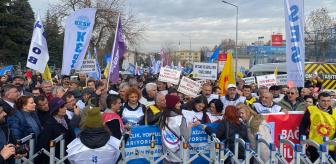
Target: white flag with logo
{"x":77,"y":35}
{"x":295,"y":46}
{"x":38,"y":55}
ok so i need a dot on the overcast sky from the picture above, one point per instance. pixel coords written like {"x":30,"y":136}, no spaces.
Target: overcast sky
{"x":205,"y":22}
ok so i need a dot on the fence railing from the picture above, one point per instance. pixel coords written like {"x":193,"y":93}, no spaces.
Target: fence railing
{"x":218,"y":152}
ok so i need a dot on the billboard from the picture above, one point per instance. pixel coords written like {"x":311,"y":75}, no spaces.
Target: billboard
{"x":277,"y":40}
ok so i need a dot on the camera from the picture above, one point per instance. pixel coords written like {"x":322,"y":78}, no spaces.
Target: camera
{"x":21,"y":149}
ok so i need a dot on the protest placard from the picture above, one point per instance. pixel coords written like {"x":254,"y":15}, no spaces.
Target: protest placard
{"x":88,"y":66}
{"x":169,"y":75}
{"x":249,"y":80}
{"x":281,"y":79}
{"x":266,"y":80}
{"x":189,"y":87}
{"x":205,"y":71}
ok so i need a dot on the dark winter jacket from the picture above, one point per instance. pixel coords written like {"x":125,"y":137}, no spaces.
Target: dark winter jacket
{"x":298,"y":106}
{"x":24,"y":123}
{"x":52,"y":129}
{"x":226,"y":133}
{"x":6,"y":137}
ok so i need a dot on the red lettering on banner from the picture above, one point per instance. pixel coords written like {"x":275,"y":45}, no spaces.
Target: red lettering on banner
{"x":288,"y":126}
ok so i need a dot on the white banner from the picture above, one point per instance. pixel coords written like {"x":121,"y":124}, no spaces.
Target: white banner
{"x":249,"y":80}
{"x":205,"y":71}
{"x":295,"y":46}
{"x":282,"y":79}
{"x":77,"y":35}
{"x":38,"y":55}
{"x":89,"y":66}
{"x":266,"y":80}
{"x":189,"y":87}
{"x":169,"y":75}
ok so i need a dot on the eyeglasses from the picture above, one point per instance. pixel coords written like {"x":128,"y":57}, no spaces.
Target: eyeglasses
{"x":291,"y":93}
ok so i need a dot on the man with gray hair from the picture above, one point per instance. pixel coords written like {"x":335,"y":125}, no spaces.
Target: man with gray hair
{"x":266,"y":104}
{"x":292,"y":101}
{"x":154,"y":112}
{"x":148,"y":94}
{"x":58,"y":91}
{"x":47,"y":89}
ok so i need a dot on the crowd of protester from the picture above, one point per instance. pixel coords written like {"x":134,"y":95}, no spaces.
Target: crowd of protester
{"x":94,"y":114}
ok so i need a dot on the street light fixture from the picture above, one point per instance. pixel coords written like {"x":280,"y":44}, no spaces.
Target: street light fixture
{"x":236,"y":54}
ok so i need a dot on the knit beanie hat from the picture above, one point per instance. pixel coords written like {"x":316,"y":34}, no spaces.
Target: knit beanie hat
{"x":93,"y":118}
{"x":171,"y":101}
{"x":54,"y":105}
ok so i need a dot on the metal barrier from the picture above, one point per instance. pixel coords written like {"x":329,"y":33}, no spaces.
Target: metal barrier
{"x":31,"y":155}
{"x":218,"y":153}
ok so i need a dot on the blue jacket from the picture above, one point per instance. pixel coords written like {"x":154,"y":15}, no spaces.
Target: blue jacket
{"x":20,"y":124}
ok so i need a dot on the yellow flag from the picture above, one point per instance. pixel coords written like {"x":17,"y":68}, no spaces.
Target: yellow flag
{"x":240,"y":74}
{"x":47,"y":74}
{"x":276,"y":70}
{"x":106,"y":70}
{"x":227,"y":75}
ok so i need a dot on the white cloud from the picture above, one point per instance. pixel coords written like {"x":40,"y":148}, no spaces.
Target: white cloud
{"x":206,"y":22}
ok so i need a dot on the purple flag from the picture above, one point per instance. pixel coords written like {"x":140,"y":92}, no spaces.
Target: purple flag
{"x":118,"y":51}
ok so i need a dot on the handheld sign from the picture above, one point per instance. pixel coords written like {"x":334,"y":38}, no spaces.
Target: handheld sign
{"x":249,"y":80}
{"x":266,"y":80}
{"x":169,"y":75}
{"x":89,"y":66}
{"x":189,"y":87}
{"x":207,"y":71}
{"x":281,"y":79}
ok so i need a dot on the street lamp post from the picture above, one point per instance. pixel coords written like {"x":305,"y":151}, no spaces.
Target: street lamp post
{"x":236,"y":54}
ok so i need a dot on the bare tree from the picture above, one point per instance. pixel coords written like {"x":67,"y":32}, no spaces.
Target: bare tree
{"x":318,"y":33}
{"x":105,"y":21}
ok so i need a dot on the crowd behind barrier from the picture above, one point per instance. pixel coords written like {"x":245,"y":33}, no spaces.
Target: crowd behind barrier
{"x":149,"y":150}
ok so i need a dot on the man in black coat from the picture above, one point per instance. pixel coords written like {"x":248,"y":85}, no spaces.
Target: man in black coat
{"x":7,"y":140}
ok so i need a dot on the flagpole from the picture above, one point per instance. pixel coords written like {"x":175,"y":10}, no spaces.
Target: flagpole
{"x":112,"y":57}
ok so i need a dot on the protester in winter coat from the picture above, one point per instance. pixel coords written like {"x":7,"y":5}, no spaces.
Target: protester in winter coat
{"x":255,"y":124}
{"x":7,"y":139}
{"x":9,"y":95}
{"x":94,"y":142}
{"x":55,"y":126}
{"x":173,"y":125}
{"x":111,"y":118}
{"x":133,"y":111}
{"x":228,"y":128}
{"x":154,"y":112}
{"x":292,"y":101}
{"x":214,"y":115}
{"x":149,"y":94}
{"x":24,"y":120}
{"x":42,"y":109}
{"x":319,"y":121}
